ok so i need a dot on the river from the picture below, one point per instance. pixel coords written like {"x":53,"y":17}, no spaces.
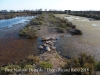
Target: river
{"x":12,"y":46}
{"x":89,"y":43}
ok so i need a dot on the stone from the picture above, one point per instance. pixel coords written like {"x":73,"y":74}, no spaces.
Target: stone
{"x":40,"y":47}
{"x":52,"y":38}
{"x":54,"y":48}
{"x":45,"y":39}
{"x":49,"y":42}
{"x":48,"y":49}
{"x":45,"y":45}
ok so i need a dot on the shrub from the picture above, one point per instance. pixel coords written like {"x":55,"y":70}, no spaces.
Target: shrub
{"x":12,"y":66}
{"x":40,"y":17}
{"x":64,"y":21}
{"x":22,"y":65}
{"x":36,"y":22}
{"x":28,"y":32}
{"x":97,"y":66}
{"x":2,"y":72}
{"x":32,"y":59}
{"x":53,"y":21}
{"x":51,"y":15}
{"x":69,"y":24}
{"x":45,"y":65}
{"x":61,"y":30}
{"x":83,"y":61}
{"x":29,"y":66}
{"x":62,"y":25}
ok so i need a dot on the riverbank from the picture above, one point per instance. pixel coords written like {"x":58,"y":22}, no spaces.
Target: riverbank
{"x":48,"y":28}
{"x":49,"y":37}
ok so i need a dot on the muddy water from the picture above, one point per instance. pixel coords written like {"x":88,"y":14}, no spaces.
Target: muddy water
{"x":89,"y":42}
{"x":13,"y":47}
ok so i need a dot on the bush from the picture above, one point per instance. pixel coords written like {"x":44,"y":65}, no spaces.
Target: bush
{"x":51,"y":15}
{"x":45,"y":65}
{"x":83,"y":61}
{"x":61,"y":30}
{"x":40,"y":18}
{"x":28,"y":32}
{"x":29,"y":66}
{"x":32,"y":59}
{"x":36,"y":22}
{"x":62,"y":25}
{"x":69,"y":24}
{"x":12,"y":66}
{"x":3,"y":72}
{"x":97,"y":66}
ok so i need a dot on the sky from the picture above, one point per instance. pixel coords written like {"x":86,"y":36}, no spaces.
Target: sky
{"x":50,"y":4}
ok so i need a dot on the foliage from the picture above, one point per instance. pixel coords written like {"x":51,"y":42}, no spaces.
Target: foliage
{"x":45,"y":65}
{"x":8,"y":69}
{"x":2,"y":72}
{"x":29,"y":66}
{"x":36,"y":22}
{"x":40,"y":17}
{"x":62,"y":25}
{"x":28,"y":32}
{"x":61,"y":30}
{"x":97,"y":66}
{"x":83,"y":61}
{"x":12,"y":66}
{"x":32,"y":59}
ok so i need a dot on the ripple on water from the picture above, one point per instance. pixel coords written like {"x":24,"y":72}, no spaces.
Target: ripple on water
{"x":95,"y":25}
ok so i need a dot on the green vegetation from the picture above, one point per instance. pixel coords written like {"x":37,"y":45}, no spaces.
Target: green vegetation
{"x":36,"y":22}
{"x":24,"y":64}
{"x":29,"y":66}
{"x":61,"y":30}
{"x":28,"y":32}
{"x":62,"y":25}
{"x":33,"y":59}
{"x":97,"y":66}
{"x":83,"y":61}
{"x":45,"y":65}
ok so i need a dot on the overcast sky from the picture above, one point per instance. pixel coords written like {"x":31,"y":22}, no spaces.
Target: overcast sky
{"x":50,"y":4}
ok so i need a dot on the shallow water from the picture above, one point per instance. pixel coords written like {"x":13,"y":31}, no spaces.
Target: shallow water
{"x":13,"y":47}
{"x":70,"y":46}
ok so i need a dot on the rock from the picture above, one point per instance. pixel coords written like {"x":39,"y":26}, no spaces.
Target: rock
{"x":52,"y":38}
{"x":45,"y":39}
{"x":45,"y":45}
{"x":40,"y":47}
{"x":48,"y":49}
{"x":54,"y":48}
{"x":49,"y":42}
